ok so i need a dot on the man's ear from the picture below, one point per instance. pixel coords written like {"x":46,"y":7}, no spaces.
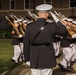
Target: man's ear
{"x":38,"y":13}
{"x":47,"y":14}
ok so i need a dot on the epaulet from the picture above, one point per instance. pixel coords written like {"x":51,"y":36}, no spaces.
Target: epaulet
{"x":30,"y":24}
{"x":50,"y":21}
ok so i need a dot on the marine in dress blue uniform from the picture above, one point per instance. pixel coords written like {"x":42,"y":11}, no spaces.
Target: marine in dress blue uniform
{"x":16,"y":42}
{"x":41,"y":55}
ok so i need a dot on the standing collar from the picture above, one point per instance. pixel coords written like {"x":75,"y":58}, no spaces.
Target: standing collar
{"x":42,"y":19}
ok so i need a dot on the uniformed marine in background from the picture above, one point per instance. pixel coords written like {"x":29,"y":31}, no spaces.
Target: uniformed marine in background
{"x":67,"y":50}
{"x":73,"y":41}
{"x":17,"y":44}
{"x":56,"y":45}
{"x":39,"y":39}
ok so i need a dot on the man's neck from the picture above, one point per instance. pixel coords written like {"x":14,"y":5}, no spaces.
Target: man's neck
{"x":42,"y":17}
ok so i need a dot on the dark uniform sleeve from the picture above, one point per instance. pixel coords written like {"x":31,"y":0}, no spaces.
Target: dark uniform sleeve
{"x":26,"y":49}
{"x":57,"y":38}
{"x":74,"y":40}
{"x":14,"y":34}
{"x":61,"y":29}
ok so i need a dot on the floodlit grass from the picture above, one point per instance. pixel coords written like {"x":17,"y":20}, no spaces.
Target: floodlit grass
{"x":6,"y":53}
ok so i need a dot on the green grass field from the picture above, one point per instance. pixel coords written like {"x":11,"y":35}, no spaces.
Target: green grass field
{"x":6,"y":53}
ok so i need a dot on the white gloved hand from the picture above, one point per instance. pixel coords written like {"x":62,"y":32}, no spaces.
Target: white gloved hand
{"x":54,"y":17}
{"x":74,"y":36}
{"x":28,"y":63}
{"x":20,"y":36}
{"x":71,"y":45}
